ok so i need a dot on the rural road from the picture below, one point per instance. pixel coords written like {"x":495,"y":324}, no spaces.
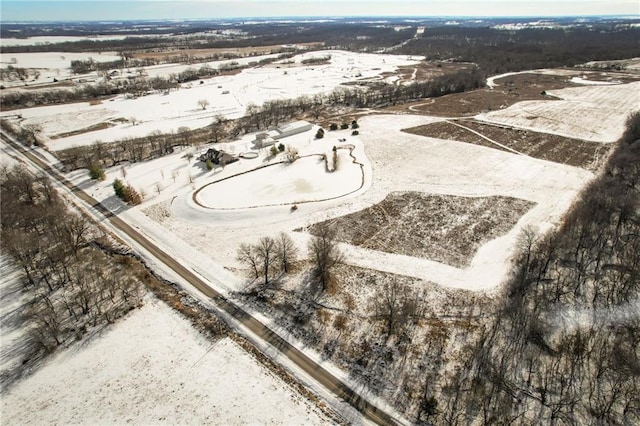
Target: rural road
{"x":317,"y":372}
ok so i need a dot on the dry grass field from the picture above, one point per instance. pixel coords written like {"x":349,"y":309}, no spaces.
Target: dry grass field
{"x":443,"y":228}
{"x":545,"y":146}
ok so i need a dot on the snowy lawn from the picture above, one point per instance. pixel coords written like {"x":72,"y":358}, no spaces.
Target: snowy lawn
{"x":152,"y":368}
{"x":303,"y":181}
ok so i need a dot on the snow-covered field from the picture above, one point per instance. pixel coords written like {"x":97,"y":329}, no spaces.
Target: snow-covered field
{"x":593,"y":112}
{"x":227,"y":96}
{"x":392,"y":161}
{"x":50,"y":65}
{"x":154,"y":368}
{"x":39,"y":40}
{"x":52,"y":60}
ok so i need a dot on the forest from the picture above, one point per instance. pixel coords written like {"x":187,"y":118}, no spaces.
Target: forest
{"x":70,"y":279}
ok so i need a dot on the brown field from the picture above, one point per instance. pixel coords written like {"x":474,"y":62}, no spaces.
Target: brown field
{"x":545,"y":146}
{"x":443,"y":228}
{"x":425,"y":71}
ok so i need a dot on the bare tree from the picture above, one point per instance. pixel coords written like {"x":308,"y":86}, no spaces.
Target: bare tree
{"x":324,"y":252}
{"x":395,"y":305}
{"x":218,"y":127}
{"x":266,"y":252}
{"x":185,"y":134}
{"x":247,"y":255}
{"x":203,"y":103}
{"x":287,"y":251}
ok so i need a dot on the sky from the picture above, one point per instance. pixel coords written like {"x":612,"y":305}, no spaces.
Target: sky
{"x":103,"y":10}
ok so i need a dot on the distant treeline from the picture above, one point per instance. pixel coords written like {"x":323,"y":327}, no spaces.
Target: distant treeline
{"x":497,"y":51}
{"x":337,"y":35}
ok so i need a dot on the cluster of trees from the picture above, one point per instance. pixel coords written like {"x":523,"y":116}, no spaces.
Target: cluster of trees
{"x":497,"y":51}
{"x":272,"y":256}
{"x":14,"y":99}
{"x":269,"y":257}
{"x":11,"y":73}
{"x":72,"y":283}
{"x":126,"y":193}
{"x":79,"y":66}
{"x":316,"y":60}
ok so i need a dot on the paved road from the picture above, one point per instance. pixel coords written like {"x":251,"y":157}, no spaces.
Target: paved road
{"x":329,"y":381}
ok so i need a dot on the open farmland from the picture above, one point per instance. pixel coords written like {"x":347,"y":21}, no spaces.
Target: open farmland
{"x":395,"y":161}
{"x":592,"y":113}
{"x":228,"y":96}
{"x":111,"y":381}
{"x":510,"y":88}
{"x":545,"y":146}
{"x":459,"y":281}
{"x":404,"y":223}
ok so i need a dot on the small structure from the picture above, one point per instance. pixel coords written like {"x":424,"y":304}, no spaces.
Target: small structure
{"x":270,"y":137}
{"x":217,"y":157}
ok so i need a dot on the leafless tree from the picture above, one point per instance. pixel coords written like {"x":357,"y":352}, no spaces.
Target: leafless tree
{"x":287,"y":251}
{"x":247,"y":255}
{"x":324,"y":251}
{"x":266,"y":251}
{"x":203,"y":103}
{"x":185,"y":134}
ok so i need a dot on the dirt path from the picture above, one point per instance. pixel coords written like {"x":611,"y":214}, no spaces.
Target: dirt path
{"x":485,"y":138}
{"x":227,"y":307}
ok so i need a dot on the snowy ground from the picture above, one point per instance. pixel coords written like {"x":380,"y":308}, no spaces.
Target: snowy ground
{"x":171,"y":375}
{"x":394,"y":161}
{"x":39,"y":40}
{"x":593,"y":112}
{"x":227,"y":95}
{"x":50,"y":65}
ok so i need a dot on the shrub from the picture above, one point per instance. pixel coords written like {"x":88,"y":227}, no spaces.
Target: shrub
{"x":355,"y":133}
{"x":281,"y":147}
{"x":354,"y":124}
{"x":209,"y":164}
{"x":344,"y":126}
{"x":96,"y":172}
{"x":333,"y":126}
{"x":320,"y":133}
{"x":292,"y":154}
{"x":118,"y":188}
{"x":126,"y":193}
{"x":274,"y":150}
{"x":131,"y":196}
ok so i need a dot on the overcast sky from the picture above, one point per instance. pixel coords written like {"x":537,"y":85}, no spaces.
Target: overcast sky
{"x":100,"y":10}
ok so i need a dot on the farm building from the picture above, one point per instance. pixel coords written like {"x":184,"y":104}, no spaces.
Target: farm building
{"x":270,"y":137}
